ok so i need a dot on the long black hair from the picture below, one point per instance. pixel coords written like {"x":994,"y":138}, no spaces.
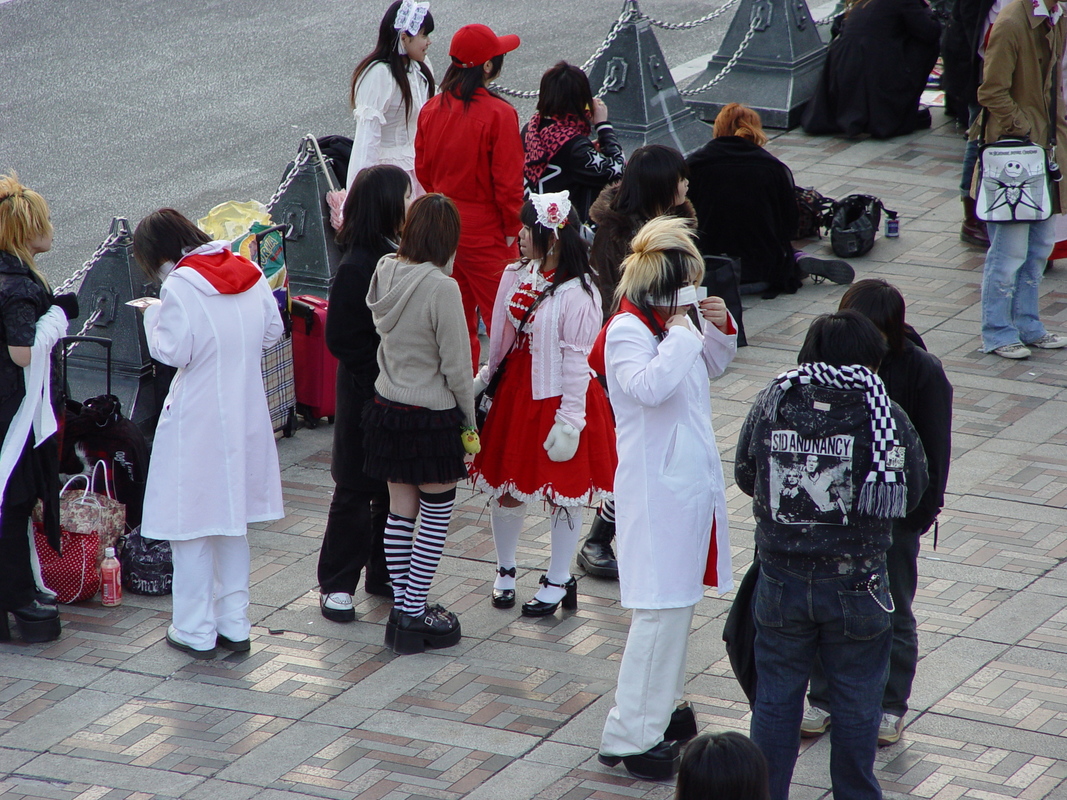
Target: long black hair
{"x":386,"y":50}
{"x":564,"y":92}
{"x":573,"y":251}
{"x":374,"y":209}
{"x":649,"y":185}
{"x":463,"y":82}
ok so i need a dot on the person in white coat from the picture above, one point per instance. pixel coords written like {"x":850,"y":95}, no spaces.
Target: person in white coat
{"x":672,"y":529}
{"x":388,"y":89}
{"x":214,"y":465}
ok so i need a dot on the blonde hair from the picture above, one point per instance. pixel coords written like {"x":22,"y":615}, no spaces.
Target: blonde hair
{"x":738,"y":120}
{"x":23,"y":217}
{"x":664,"y":259}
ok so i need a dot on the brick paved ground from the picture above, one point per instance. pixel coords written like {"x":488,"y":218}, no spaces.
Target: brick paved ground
{"x":322,"y":710}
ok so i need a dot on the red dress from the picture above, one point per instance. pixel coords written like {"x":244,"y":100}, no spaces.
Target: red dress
{"x":513,"y":458}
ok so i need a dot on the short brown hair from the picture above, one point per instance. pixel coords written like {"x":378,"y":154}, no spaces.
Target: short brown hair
{"x":431,"y":231}
{"x":738,"y":120}
{"x":164,"y":235}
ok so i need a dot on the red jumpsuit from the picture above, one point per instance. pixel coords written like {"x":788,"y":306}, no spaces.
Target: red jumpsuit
{"x":474,"y":156}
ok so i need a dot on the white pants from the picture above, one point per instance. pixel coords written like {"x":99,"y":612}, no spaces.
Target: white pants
{"x":211,"y":575}
{"x":651,"y":680}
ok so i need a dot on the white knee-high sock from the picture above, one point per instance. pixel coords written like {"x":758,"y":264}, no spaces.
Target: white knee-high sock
{"x":566,"y":529}
{"x":507,"y":527}
{"x":399,"y":532}
{"x":435,"y":512}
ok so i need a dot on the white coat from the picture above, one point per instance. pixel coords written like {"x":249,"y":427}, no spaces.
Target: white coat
{"x":214,"y":466}
{"x":669,"y":484}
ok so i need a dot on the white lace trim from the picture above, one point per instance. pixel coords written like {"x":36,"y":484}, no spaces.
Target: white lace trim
{"x":576,"y":348}
{"x":367,"y":113}
{"x":593,"y":496}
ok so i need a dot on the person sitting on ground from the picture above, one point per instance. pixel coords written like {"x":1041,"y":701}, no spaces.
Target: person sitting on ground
{"x":876,"y":71}
{"x":560,"y":156}
{"x":823,"y":589}
{"x":723,"y":766}
{"x":755,"y":225}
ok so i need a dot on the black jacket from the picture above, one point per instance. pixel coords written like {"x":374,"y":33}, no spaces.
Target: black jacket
{"x":917,"y":382}
{"x":582,"y":168}
{"x":351,"y":337}
{"x":876,"y":70}
{"x":746,"y":207}
{"x":805,"y":507}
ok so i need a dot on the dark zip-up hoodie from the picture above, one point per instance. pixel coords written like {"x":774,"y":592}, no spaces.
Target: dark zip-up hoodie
{"x":804,"y":472}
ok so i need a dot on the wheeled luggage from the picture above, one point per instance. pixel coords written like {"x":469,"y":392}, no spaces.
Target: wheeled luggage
{"x":266,"y":246}
{"x":314,"y":365}
{"x":722,"y":275}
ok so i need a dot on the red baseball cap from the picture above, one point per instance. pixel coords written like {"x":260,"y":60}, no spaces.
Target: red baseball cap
{"x":473,"y":45}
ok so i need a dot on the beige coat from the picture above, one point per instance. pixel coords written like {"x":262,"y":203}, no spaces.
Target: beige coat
{"x":1017,"y":82}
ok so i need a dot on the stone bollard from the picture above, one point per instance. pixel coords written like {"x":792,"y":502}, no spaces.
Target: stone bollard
{"x":777,"y":70}
{"x":140,"y":383}
{"x":643,"y":100}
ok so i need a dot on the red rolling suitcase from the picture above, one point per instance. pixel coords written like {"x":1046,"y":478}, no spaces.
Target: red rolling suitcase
{"x":314,"y":365}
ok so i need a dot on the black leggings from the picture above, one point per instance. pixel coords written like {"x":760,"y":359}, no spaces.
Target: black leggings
{"x":17,"y":587}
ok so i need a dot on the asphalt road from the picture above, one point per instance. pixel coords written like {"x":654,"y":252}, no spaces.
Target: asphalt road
{"x":117,"y":107}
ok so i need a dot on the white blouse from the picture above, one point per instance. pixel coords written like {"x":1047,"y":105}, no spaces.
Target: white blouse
{"x":384,"y":134}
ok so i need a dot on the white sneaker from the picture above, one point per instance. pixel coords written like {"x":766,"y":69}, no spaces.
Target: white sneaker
{"x":337,"y":607}
{"x":890,"y":729}
{"x":815,"y":722}
{"x":1050,"y":341}
{"x":1012,"y":351}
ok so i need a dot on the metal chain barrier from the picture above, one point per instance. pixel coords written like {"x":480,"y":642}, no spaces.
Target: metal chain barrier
{"x":81,"y":271}
{"x":727,"y":68}
{"x":89,"y":323}
{"x":628,"y":15}
{"x":302,"y":158}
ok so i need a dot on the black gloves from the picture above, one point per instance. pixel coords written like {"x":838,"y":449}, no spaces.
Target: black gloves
{"x":69,"y":304}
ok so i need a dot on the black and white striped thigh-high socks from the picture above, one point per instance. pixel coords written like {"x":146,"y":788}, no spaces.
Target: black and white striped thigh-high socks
{"x":435,"y":512}
{"x":397,"y":541}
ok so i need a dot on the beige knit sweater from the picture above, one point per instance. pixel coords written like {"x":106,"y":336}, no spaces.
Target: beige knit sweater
{"x":425,"y":353}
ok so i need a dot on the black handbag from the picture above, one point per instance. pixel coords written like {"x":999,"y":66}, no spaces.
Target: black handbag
{"x":739,"y":632}
{"x":853,"y":223}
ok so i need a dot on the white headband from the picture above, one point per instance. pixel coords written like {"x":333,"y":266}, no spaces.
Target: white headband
{"x":552,"y":209}
{"x":409,"y":18}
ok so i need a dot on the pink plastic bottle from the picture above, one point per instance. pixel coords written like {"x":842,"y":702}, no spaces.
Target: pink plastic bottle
{"x":111,"y":578}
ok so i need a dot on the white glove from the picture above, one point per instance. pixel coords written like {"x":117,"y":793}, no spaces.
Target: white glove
{"x":479,"y":384}
{"x":562,"y":441}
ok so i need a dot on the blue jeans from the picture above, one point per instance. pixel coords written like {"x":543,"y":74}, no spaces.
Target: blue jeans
{"x":901,"y":561}
{"x":799,"y":615}
{"x":1014,"y":265}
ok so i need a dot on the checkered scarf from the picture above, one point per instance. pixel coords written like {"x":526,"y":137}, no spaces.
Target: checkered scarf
{"x":884,"y":493}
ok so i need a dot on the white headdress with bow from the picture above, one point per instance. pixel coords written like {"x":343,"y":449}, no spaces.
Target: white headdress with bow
{"x":409,"y":18}
{"x":553,"y":209}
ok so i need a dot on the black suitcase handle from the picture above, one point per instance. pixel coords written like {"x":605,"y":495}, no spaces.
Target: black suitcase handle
{"x":66,"y":341}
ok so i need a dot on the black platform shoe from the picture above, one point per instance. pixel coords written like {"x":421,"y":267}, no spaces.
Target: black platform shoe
{"x":394,"y":615}
{"x":683,"y":725}
{"x":504,"y":598}
{"x":434,"y":628}
{"x":658,"y":764}
{"x":596,"y":556}
{"x":36,"y":622}
{"x":537,"y":608}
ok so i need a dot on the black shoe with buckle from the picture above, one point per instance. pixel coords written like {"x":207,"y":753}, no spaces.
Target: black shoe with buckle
{"x":504,"y":598}
{"x":233,"y":645}
{"x":658,"y":764}
{"x":434,"y":628}
{"x":538,"y":608}
{"x":596,"y":556}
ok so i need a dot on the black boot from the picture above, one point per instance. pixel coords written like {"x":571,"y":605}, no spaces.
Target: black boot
{"x":596,"y":556}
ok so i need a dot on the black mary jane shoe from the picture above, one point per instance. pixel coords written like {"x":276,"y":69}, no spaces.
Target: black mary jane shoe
{"x":683,"y":725}
{"x":504,"y":598}
{"x":434,"y":628}
{"x":658,"y":764}
{"x":537,"y":608}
